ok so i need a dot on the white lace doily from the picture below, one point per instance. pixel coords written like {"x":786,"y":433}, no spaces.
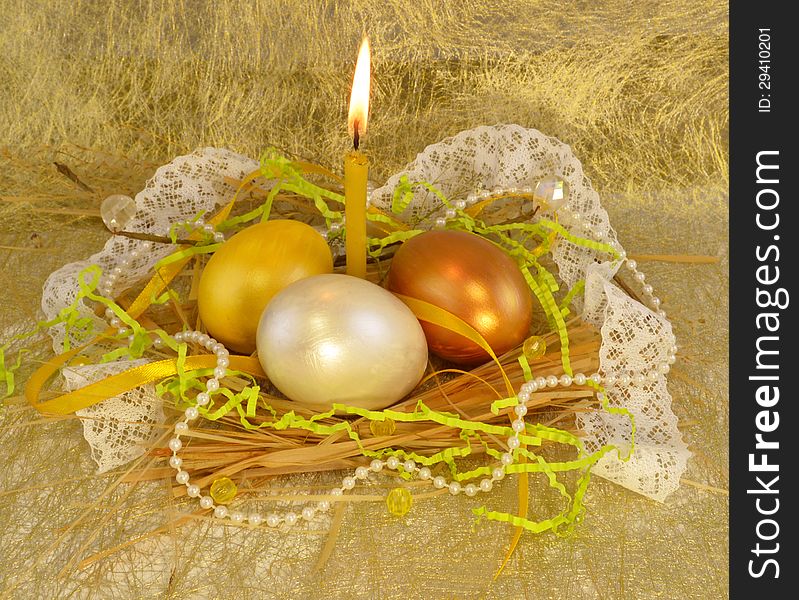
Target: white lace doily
{"x":634,"y":339}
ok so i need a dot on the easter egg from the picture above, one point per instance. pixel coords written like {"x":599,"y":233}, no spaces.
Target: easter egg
{"x":471,"y":278}
{"x":340,"y":339}
{"x":249,"y":269}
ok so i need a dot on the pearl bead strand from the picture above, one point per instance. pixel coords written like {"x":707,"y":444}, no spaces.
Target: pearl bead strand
{"x":348,"y":483}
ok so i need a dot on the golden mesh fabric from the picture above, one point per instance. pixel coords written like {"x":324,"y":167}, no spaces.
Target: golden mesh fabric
{"x":110,"y":90}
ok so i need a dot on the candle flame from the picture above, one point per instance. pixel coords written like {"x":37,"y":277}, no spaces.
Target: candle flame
{"x":359,"y":99}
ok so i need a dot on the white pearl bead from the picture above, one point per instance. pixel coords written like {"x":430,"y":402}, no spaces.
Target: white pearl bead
{"x":193,"y":491}
{"x":579,"y":379}
{"x":640,"y":379}
{"x":223,"y":361}
{"x":552,"y":381}
{"x":640,"y":276}
{"x":272,"y":520}
{"x":655,"y":302}
{"x":122,"y":331}
{"x":664,"y":368}
{"x":424,"y":473}
{"x":439,"y":482}
{"x":361,"y":472}
{"x":648,"y":289}
{"x":449,"y":213}
{"x":237,"y":517}
{"x":336,"y":492}
{"x":671,"y":359}
{"x":348,"y":483}
{"x":182,"y":477}
{"x":220,"y":512}
{"x":520,"y":410}
{"x":376,"y":465}
{"x":498,"y":473}
{"x":115,"y":322}
{"x":460,"y":204}
{"x":208,"y":228}
{"x":625,"y":380}
{"x":470,"y":490}
{"x":290,"y":518}
{"x":324,"y":505}
{"x":610,"y":380}
{"x":471,"y":199}
{"x":523,"y":396}
{"x":454,"y":488}
{"x":220,"y":372}
{"x":175,"y":462}
{"x":181,"y":427}
{"x":212,"y":385}
{"x":441,"y":223}
{"x":308,"y":513}
{"x":219,"y":237}
{"x":486,"y":485}
{"x":661,"y":313}
{"x":255,"y":519}
{"x":507,"y":458}
{"x":203,"y":398}
{"x":541,"y":382}
{"x":596,"y":378}
{"x":192,"y":413}
{"x":109,"y":314}
{"x":565,"y":380}
{"x":632,"y":265}
{"x":673,"y":349}
{"x":518,"y":425}
{"x":652,"y":376}
{"x":513,"y":442}
{"x":158,"y":342}
{"x":206,"y":502}
{"x":392,"y":462}
{"x":175,"y":444}
{"x":409,"y":466}
{"x":529,"y":387}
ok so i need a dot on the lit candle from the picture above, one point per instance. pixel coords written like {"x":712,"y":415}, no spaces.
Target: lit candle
{"x":356,"y":167}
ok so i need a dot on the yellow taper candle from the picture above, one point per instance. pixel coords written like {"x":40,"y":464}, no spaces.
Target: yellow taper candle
{"x":356,"y":167}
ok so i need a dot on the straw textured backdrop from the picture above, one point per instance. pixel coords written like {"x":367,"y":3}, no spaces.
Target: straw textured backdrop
{"x":97,"y":94}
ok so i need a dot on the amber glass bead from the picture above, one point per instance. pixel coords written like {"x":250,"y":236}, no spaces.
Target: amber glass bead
{"x":399,"y":501}
{"x":223,"y":490}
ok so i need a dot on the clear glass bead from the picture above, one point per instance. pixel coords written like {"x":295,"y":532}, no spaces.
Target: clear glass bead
{"x":553,"y":190}
{"x":117,"y":211}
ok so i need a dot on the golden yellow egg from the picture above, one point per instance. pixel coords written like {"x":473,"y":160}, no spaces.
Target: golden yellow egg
{"x":249,"y":269}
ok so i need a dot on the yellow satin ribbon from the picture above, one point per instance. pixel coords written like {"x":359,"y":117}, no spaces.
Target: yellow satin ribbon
{"x":123,"y":382}
{"x":431,"y":313}
{"x":438,"y":316}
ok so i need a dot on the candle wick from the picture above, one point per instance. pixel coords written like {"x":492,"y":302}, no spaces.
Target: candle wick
{"x":356,"y":136}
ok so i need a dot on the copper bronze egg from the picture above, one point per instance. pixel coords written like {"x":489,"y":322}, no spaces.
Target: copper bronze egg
{"x":473,"y":279}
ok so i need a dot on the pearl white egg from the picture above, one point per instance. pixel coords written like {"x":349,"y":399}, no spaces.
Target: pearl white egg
{"x":339,"y":339}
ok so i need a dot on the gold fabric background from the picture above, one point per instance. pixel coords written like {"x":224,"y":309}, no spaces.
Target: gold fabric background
{"x":114,"y":88}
